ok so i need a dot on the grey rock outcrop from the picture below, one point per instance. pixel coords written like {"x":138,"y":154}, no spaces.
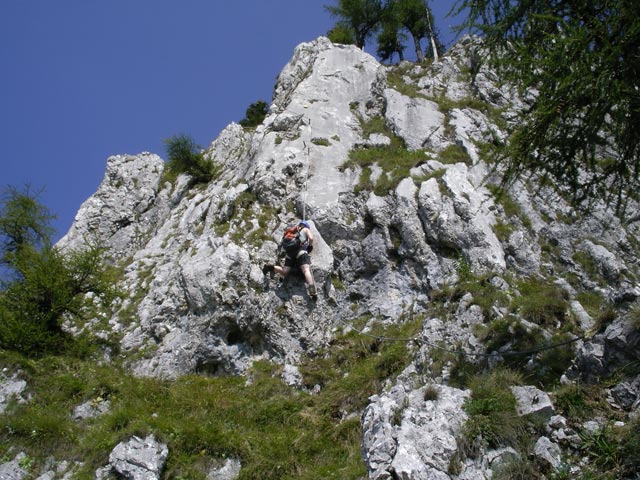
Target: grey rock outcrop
{"x":120,"y":214}
{"x":533,"y":401}
{"x":11,"y":388}
{"x":408,"y":436}
{"x":137,"y":459}
{"x":198,"y":301}
{"x":548,"y":452}
{"x":12,"y":470}
{"x":229,"y":471}
{"x":416,"y":120}
{"x":91,"y":409}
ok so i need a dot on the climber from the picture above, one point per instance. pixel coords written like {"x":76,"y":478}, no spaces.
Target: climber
{"x":297,"y":243}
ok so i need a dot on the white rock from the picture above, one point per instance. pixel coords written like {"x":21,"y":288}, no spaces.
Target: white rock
{"x":11,"y":388}
{"x":532,"y":401}
{"x":548,"y":452}
{"x":139,"y":459}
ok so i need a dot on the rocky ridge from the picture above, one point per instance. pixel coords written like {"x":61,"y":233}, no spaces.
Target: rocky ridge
{"x":199,"y":303}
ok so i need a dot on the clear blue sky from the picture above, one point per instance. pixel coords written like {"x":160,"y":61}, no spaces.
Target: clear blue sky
{"x":81,"y":80}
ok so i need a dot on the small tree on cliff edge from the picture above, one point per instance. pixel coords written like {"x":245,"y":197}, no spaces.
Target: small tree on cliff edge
{"x":361,"y":16}
{"x":416,"y":17}
{"x":390,"y":18}
{"x":185,"y":156}
{"x":254,"y":115}
{"x":41,"y":287}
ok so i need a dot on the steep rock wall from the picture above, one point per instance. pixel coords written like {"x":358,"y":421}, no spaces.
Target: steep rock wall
{"x":199,"y":301}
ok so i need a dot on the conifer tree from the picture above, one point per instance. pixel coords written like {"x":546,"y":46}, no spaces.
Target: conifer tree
{"x":416,"y":17}
{"x":362,"y":16}
{"x":578,"y":63}
{"x":41,"y":286}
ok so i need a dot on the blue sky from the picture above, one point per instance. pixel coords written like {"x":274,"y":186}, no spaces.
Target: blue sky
{"x":85,"y":79}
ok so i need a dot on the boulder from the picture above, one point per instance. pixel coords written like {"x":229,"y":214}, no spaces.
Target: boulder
{"x":229,"y":471}
{"x":139,"y":458}
{"x":533,"y":401}
{"x":409,"y":436}
{"x":548,"y":453}
{"x":10,"y":389}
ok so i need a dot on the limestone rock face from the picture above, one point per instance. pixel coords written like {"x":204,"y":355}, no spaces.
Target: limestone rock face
{"x":408,"y":436}
{"x":121,"y":211}
{"x":197,"y":299}
{"x":417,"y":121}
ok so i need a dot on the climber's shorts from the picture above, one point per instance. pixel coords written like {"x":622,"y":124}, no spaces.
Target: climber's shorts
{"x":303,"y":258}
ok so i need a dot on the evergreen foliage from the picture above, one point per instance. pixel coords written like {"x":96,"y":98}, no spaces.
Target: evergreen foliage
{"x":391,"y":19}
{"x":43,"y":287}
{"x":342,"y":33}
{"x":416,"y":17}
{"x":582,"y":60}
{"x":390,"y":39}
{"x":255,"y":114}
{"x":185,"y":156}
{"x":23,"y":223}
{"x":362,"y":16}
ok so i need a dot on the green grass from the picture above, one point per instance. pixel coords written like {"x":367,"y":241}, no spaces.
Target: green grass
{"x":396,"y":81}
{"x":509,"y":205}
{"x":585,"y":261}
{"x":503,"y":230}
{"x":454,"y":153}
{"x":541,"y":302}
{"x":323,"y":142}
{"x":593,"y":302}
{"x":492,"y":411}
{"x":276,"y":432}
{"x":395,"y":161}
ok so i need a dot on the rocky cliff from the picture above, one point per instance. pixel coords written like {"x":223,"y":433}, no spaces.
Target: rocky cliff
{"x":426,"y":236}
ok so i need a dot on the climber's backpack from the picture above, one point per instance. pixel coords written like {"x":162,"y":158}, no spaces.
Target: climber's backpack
{"x":291,"y":242}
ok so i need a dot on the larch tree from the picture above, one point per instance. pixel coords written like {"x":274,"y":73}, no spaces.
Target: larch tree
{"x":579,"y":63}
{"x":416,"y":17}
{"x":362,"y":16}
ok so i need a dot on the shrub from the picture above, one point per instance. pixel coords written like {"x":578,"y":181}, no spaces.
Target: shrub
{"x":630,"y":446}
{"x":184,"y":156}
{"x":634,"y":316}
{"x":575,"y":401}
{"x":45,"y":286}
{"x":541,"y":302}
{"x":342,"y":33}
{"x":431,"y":393}
{"x":255,"y":114}
{"x":320,"y":141}
{"x":603,"y":449}
{"x":492,"y":410}
{"x":516,"y":469}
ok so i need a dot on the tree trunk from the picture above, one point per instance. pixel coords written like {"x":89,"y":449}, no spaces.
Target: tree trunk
{"x":432,"y":37}
{"x":416,"y":44}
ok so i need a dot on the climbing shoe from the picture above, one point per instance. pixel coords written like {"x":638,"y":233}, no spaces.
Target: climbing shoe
{"x":312,"y":292}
